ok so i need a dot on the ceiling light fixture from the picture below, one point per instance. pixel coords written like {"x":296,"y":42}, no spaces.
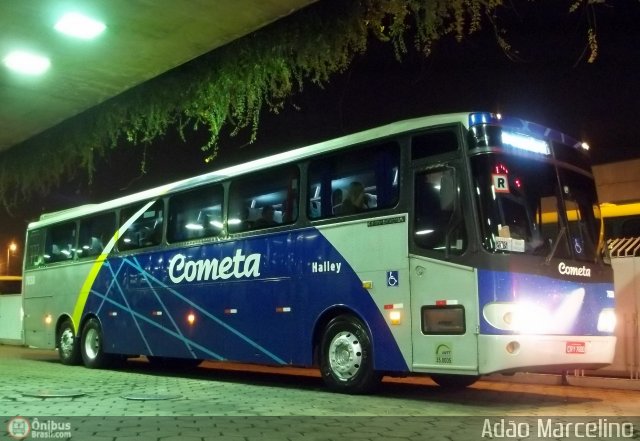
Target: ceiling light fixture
{"x":26,"y":63}
{"x":77,"y":25}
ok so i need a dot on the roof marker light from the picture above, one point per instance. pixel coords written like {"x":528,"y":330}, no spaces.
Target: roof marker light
{"x":26,"y":63}
{"x":77,"y":25}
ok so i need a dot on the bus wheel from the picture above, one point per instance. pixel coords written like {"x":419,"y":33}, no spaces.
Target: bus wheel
{"x":68,"y":345}
{"x":346,"y":362}
{"x":450,"y":381}
{"x":91,"y":346}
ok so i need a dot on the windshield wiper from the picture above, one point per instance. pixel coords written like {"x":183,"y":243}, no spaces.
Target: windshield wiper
{"x":552,"y":253}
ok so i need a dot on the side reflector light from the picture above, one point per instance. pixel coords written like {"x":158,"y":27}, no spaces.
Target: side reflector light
{"x":513,"y":347}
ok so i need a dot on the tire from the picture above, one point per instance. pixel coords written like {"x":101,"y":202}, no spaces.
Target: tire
{"x":450,"y":381}
{"x":91,"y":346}
{"x":346,"y":358}
{"x":68,"y":345}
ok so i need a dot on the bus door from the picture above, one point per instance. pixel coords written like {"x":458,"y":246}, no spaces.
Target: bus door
{"x":443,"y":293}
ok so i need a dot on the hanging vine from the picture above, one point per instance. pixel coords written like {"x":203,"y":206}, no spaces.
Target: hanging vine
{"x":233,"y":84}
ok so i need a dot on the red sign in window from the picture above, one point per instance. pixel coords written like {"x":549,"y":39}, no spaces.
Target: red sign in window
{"x":576,"y":347}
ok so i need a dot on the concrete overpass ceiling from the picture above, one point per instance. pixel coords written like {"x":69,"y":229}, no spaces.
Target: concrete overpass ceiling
{"x":142,"y":39}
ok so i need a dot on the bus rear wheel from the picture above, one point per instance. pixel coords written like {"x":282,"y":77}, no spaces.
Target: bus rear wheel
{"x":451,"y":381}
{"x":92,"y":346}
{"x":346,"y":362}
{"x":68,"y":345}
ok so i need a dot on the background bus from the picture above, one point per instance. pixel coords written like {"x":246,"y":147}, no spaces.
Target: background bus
{"x":11,"y":310}
{"x":10,"y":285}
{"x":621,"y":220}
{"x":416,"y":247}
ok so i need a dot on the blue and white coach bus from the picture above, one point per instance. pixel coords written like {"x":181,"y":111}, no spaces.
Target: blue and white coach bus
{"x":416,"y":247}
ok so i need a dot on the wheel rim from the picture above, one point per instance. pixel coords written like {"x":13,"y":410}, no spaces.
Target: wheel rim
{"x":92,"y":343}
{"x":66,"y":342}
{"x":345,"y":355}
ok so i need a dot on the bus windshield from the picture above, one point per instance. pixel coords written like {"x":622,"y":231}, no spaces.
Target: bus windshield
{"x":530,"y":207}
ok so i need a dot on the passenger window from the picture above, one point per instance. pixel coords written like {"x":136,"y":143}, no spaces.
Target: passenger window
{"x":354,"y":182}
{"x":146,"y":229}
{"x":60,"y":243}
{"x":34,"y":252}
{"x":195,"y":214}
{"x":264,"y":200}
{"x":95,"y":233}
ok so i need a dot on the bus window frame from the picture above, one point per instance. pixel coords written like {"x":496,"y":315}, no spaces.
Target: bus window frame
{"x":390,"y":143}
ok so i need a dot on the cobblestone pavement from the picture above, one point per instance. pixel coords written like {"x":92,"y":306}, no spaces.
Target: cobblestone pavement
{"x":227,"y":402}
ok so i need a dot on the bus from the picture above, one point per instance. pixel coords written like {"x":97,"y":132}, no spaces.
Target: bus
{"x":417,"y":247}
{"x":621,"y":220}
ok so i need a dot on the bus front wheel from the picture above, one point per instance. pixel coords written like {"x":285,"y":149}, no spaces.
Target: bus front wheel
{"x":68,"y":344}
{"x":91,"y":346}
{"x":346,"y":362}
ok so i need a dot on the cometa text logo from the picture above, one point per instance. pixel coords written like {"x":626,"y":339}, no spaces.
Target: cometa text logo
{"x":181,"y":269}
{"x":568,"y":270}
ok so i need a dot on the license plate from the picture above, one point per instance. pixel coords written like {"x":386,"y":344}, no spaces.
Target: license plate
{"x":576,"y":347}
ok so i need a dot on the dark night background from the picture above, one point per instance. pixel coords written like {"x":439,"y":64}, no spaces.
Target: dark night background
{"x":548,"y":81}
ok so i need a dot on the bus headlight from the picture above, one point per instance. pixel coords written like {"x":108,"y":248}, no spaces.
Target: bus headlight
{"x":607,"y":320}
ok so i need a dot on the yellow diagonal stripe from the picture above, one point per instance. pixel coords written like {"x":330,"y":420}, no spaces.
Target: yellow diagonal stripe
{"x":97,"y":265}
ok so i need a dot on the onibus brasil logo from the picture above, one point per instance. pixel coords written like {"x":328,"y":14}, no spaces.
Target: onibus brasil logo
{"x":20,"y":428}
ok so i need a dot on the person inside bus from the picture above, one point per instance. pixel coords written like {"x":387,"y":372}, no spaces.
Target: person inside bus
{"x":356,"y":200}
{"x":266,"y":218}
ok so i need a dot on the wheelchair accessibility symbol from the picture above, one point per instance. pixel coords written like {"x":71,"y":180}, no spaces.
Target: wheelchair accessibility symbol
{"x":392,"y":278}
{"x":577,"y":246}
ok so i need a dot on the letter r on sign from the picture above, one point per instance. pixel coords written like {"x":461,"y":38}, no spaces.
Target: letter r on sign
{"x":500,"y":183}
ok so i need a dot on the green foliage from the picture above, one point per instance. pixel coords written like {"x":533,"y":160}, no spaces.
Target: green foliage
{"x":232,"y":85}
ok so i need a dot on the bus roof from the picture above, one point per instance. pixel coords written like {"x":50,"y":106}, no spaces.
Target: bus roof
{"x":381,"y":132}
{"x":257,"y":164}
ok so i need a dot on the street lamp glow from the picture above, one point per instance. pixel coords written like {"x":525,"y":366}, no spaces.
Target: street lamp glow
{"x":10,"y":249}
{"x":26,"y":63}
{"x":77,"y":25}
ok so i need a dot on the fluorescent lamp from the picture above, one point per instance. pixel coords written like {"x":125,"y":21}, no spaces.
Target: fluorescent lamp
{"x":77,"y":25}
{"x":524,"y":142}
{"x":26,"y":63}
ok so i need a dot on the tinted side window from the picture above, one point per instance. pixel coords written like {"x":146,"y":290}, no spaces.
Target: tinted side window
{"x":433,"y":143}
{"x":34,"y":251}
{"x":195,"y":214}
{"x":354,"y":182}
{"x":95,"y":233}
{"x":264,"y":200}
{"x":146,"y":229}
{"x":61,"y":243}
